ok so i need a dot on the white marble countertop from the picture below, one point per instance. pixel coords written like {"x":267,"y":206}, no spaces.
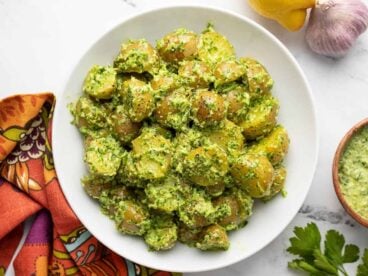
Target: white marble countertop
{"x":41,"y":41}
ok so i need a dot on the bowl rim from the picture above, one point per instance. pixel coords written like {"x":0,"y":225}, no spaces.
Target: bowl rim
{"x":335,"y":170}
{"x":260,"y":28}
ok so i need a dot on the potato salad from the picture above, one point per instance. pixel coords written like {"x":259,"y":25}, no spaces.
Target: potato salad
{"x":181,"y":138}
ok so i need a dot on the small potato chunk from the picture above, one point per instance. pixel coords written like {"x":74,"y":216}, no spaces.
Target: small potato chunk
{"x":256,"y":77}
{"x":174,"y":110}
{"x":187,"y":235}
{"x":278,"y":182}
{"x":240,"y":204}
{"x":198,"y":211}
{"x":131,"y":217}
{"x":136,"y":56}
{"x":254,"y":174}
{"x":238,"y":100}
{"x":195,"y":74}
{"x":183,"y":143}
{"x":215,"y":190}
{"x":178,"y":45}
{"x":163,"y":233}
{"x":103,"y":157}
{"x":152,"y":155}
{"x":228,"y":71}
{"x":261,"y":118}
{"x":88,"y":114}
{"x":164,"y":83}
{"x":124,"y":128}
{"x":128,"y":174}
{"x":206,"y":165}
{"x":274,"y":146}
{"x":208,"y":108}
{"x":164,"y":195}
{"x":214,"y":47}
{"x":138,"y":99}
{"x":100,"y":82}
{"x":214,"y":237}
{"x":110,"y":198}
{"x":95,"y":186}
{"x":227,"y":135}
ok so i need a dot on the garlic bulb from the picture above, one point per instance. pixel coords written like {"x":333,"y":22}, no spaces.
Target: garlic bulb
{"x":334,"y":25}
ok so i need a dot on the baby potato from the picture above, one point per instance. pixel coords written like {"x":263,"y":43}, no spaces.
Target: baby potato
{"x":214,"y":237}
{"x":124,"y":128}
{"x":138,"y":99}
{"x":128,"y":174}
{"x":240,"y":204}
{"x":110,"y":198}
{"x":215,"y":190}
{"x":208,"y":108}
{"x":95,"y":186}
{"x":274,"y":146}
{"x":195,"y":73}
{"x":226,"y":135}
{"x":163,"y":233}
{"x":228,"y":71}
{"x":187,"y":235}
{"x":174,"y":110}
{"x":254,"y":174}
{"x":214,"y":47}
{"x":238,"y":100}
{"x":136,"y":56}
{"x":103,"y":157}
{"x":100,"y":82}
{"x":152,"y":155}
{"x":198,"y":211}
{"x":261,"y":118}
{"x":88,"y":114}
{"x":164,"y":83}
{"x":178,"y":45}
{"x":206,"y":165}
{"x":256,"y":77}
{"x":164,"y":195}
{"x":131,"y":217}
{"x":278,"y":182}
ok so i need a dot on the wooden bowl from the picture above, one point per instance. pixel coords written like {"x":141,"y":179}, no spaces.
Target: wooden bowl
{"x":335,"y":171}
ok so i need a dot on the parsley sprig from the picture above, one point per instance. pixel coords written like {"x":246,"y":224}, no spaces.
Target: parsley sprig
{"x":330,"y":260}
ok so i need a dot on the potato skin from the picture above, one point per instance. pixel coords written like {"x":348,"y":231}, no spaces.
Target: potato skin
{"x":237,"y":99}
{"x":174,"y":110}
{"x":214,"y":47}
{"x":195,"y":74}
{"x":124,"y":128}
{"x":274,"y":146}
{"x":208,"y":108}
{"x":131,"y":217}
{"x":100,"y":82}
{"x":228,"y":71}
{"x":214,"y":237}
{"x":256,"y":77}
{"x":138,"y":99}
{"x":178,"y":46}
{"x":261,"y":118}
{"x":253,"y":174}
{"x":136,"y":56}
{"x":206,"y":166}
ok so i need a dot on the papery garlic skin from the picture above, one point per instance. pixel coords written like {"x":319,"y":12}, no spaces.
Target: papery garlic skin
{"x":334,"y":26}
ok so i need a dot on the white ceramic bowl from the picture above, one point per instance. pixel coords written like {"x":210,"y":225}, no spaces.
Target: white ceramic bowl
{"x":296,"y":114}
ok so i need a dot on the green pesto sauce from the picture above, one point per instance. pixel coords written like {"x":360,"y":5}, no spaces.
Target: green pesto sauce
{"x":160,"y":156}
{"x":353,"y":173}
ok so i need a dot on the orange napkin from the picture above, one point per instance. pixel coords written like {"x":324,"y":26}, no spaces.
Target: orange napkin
{"x":57,"y":243}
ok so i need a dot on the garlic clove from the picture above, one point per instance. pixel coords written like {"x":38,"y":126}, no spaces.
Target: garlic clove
{"x":334,"y":26}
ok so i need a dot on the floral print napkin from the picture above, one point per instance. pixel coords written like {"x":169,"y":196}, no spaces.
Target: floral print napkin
{"x":57,"y":243}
